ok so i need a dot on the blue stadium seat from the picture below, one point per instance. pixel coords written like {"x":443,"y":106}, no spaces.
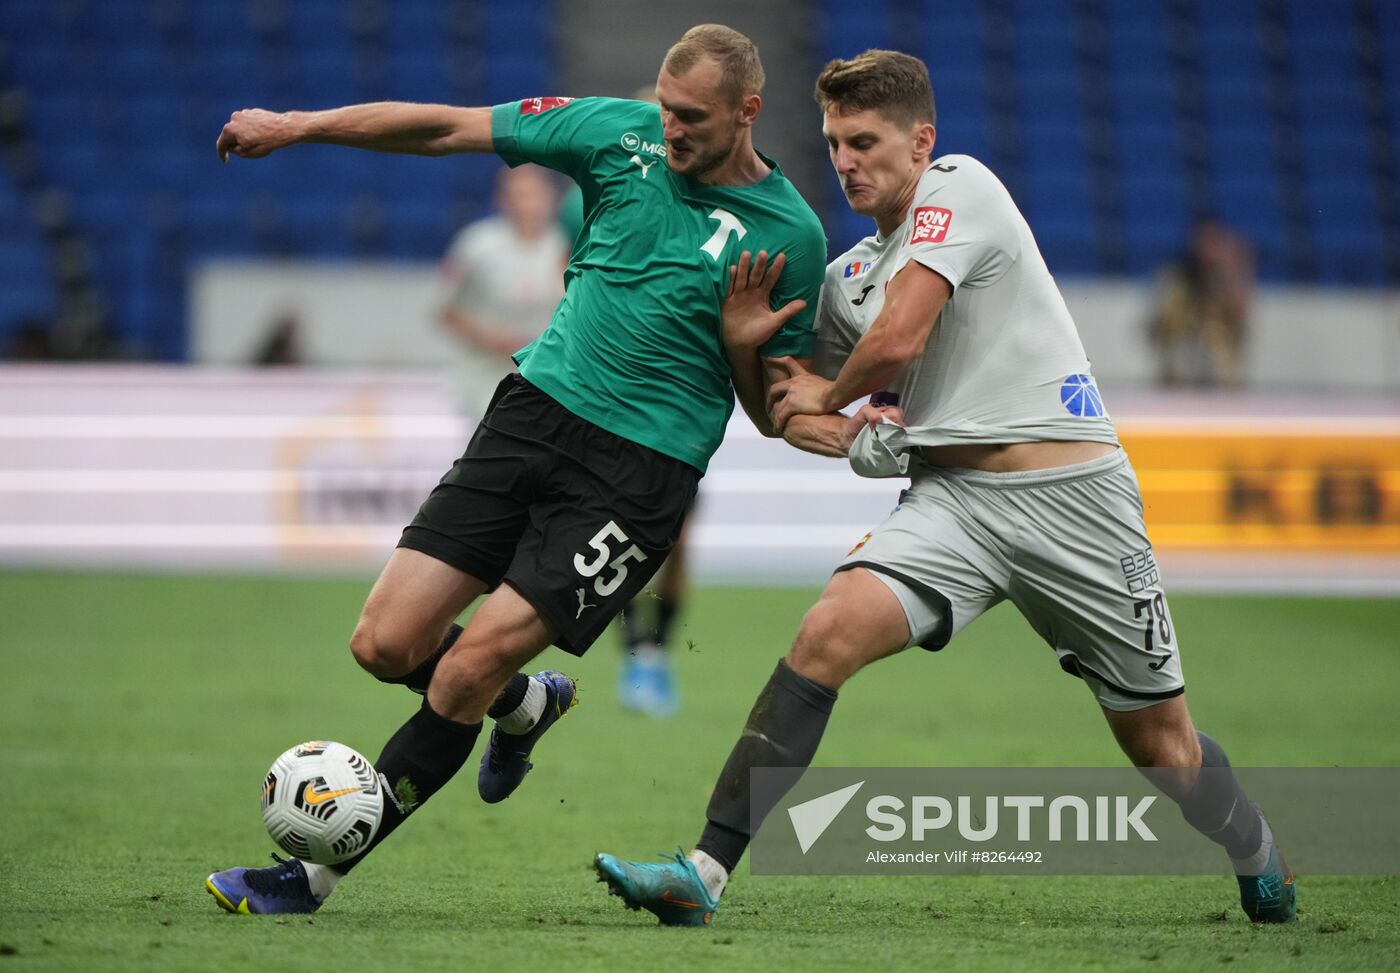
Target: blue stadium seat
{"x":421,"y":79}
{"x":26,"y":282}
{"x":29,"y":19}
{"x":1149,"y":146}
{"x":420,"y":230}
{"x":1070,"y":247}
{"x":847,"y":29}
{"x":1050,"y":96}
{"x":215,"y":24}
{"x":1156,"y":218}
{"x":1251,"y":205}
{"x":1348,"y":253}
{"x":1143,"y":97}
{"x":1249,"y":151}
{"x":316,"y":224}
{"x":1058,"y":195}
{"x":952,"y":46}
{"x":319,"y":25}
{"x":1055,"y":144}
{"x":214,"y":228}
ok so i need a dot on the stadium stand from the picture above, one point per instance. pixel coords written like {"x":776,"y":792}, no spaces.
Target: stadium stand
{"x":1115,"y":123}
{"x":127,"y":98}
{"x":26,"y":288}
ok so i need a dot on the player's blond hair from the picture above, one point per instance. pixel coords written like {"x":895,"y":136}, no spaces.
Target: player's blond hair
{"x":894,"y":84}
{"x":741,"y":72}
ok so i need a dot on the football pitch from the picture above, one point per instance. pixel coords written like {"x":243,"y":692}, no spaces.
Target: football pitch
{"x":139,"y":714}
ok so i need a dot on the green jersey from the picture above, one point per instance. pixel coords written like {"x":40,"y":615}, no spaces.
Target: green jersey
{"x":571,"y":215}
{"x":635,"y":345}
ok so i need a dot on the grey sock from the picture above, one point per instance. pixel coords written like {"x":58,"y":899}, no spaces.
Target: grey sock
{"x":783,"y":730}
{"x":1218,"y":807}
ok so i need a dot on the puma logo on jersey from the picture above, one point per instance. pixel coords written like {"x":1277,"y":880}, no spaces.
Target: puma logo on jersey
{"x":864,"y":293}
{"x":579,"y":593}
{"x":645,"y":165}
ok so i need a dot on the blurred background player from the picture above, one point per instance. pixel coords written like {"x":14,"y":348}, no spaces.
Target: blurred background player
{"x":503,"y":275}
{"x":646,"y":682}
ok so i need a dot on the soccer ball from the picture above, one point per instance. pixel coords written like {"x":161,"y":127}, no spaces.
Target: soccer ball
{"x":322,"y":802}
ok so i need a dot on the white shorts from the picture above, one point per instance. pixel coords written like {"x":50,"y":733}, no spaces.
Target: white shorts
{"x":1067,"y":546}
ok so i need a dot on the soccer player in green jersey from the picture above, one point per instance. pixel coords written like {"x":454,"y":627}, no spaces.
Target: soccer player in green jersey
{"x":577,"y":481}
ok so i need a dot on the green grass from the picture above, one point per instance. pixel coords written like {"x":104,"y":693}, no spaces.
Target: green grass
{"x":138,"y":714}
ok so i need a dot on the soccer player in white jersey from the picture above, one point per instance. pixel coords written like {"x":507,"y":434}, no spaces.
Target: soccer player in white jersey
{"x":1019,"y":489}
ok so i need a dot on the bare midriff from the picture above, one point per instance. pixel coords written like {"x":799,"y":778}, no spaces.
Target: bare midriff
{"x":1014,"y":457}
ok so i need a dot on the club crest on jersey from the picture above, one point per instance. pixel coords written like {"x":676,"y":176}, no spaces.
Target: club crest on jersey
{"x":856,"y":267}
{"x":931,"y":224}
{"x":538,"y":106}
{"x":1081,"y":397}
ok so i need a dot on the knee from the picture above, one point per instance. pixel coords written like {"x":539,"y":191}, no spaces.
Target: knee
{"x":826,"y":647}
{"x":377,"y":652}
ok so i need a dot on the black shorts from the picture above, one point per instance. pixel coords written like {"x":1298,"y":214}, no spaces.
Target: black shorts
{"x":570,"y":515}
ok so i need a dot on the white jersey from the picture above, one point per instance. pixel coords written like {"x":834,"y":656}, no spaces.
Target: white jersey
{"x":509,"y":285}
{"x":502,"y":278}
{"x":1004,"y":363}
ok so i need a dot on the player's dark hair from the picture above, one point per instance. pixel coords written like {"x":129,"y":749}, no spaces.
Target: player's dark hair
{"x":894,"y":84}
{"x":741,"y":72}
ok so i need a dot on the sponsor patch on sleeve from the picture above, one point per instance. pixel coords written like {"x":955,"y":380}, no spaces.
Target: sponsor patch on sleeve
{"x":931,"y":224}
{"x":538,"y":106}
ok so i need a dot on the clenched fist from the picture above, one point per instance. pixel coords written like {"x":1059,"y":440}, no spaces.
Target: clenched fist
{"x":254,"y":132}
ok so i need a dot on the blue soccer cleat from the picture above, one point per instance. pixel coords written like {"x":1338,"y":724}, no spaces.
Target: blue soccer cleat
{"x":670,"y":890}
{"x":507,"y":758}
{"x":263,"y":891}
{"x":1270,"y":897}
{"x":645,"y":683}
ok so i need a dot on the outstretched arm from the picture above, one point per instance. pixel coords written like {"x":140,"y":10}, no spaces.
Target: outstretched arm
{"x":385,"y":126}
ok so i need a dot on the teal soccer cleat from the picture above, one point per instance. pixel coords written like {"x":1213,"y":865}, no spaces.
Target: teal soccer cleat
{"x":646,"y":685}
{"x":1270,"y":897}
{"x":670,"y":890}
{"x":279,"y":888}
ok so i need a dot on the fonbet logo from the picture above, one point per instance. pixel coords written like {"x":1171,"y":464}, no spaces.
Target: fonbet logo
{"x":1066,"y":817}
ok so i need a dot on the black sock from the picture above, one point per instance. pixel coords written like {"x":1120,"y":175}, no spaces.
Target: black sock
{"x":510,"y":697}
{"x":633,"y":630}
{"x":418,"y":760}
{"x":665,"y":617}
{"x":783,"y":730}
{"x":418,"y":679}
{"x":1218,"y":807}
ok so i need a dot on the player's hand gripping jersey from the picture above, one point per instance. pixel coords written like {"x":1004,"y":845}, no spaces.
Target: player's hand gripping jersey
{"x":1004,"y":363}
{"x":635,"y":345}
